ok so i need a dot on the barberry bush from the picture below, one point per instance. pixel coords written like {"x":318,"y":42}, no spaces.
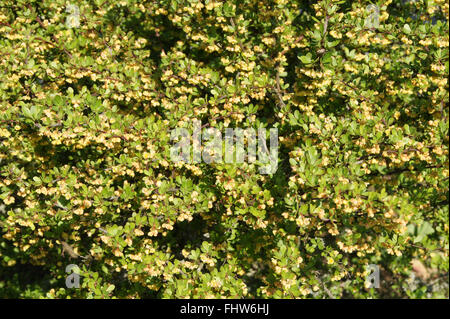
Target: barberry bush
{"x":358,"y":91}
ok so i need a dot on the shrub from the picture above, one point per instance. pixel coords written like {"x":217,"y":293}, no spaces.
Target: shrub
{"x":91,"y":89}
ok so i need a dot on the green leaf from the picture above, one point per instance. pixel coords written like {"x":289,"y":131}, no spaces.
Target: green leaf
{"x":110,"y":288}
{"x":424,"y":229}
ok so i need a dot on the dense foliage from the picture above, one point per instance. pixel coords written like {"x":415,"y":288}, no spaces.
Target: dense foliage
{"x":91,"y":88}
